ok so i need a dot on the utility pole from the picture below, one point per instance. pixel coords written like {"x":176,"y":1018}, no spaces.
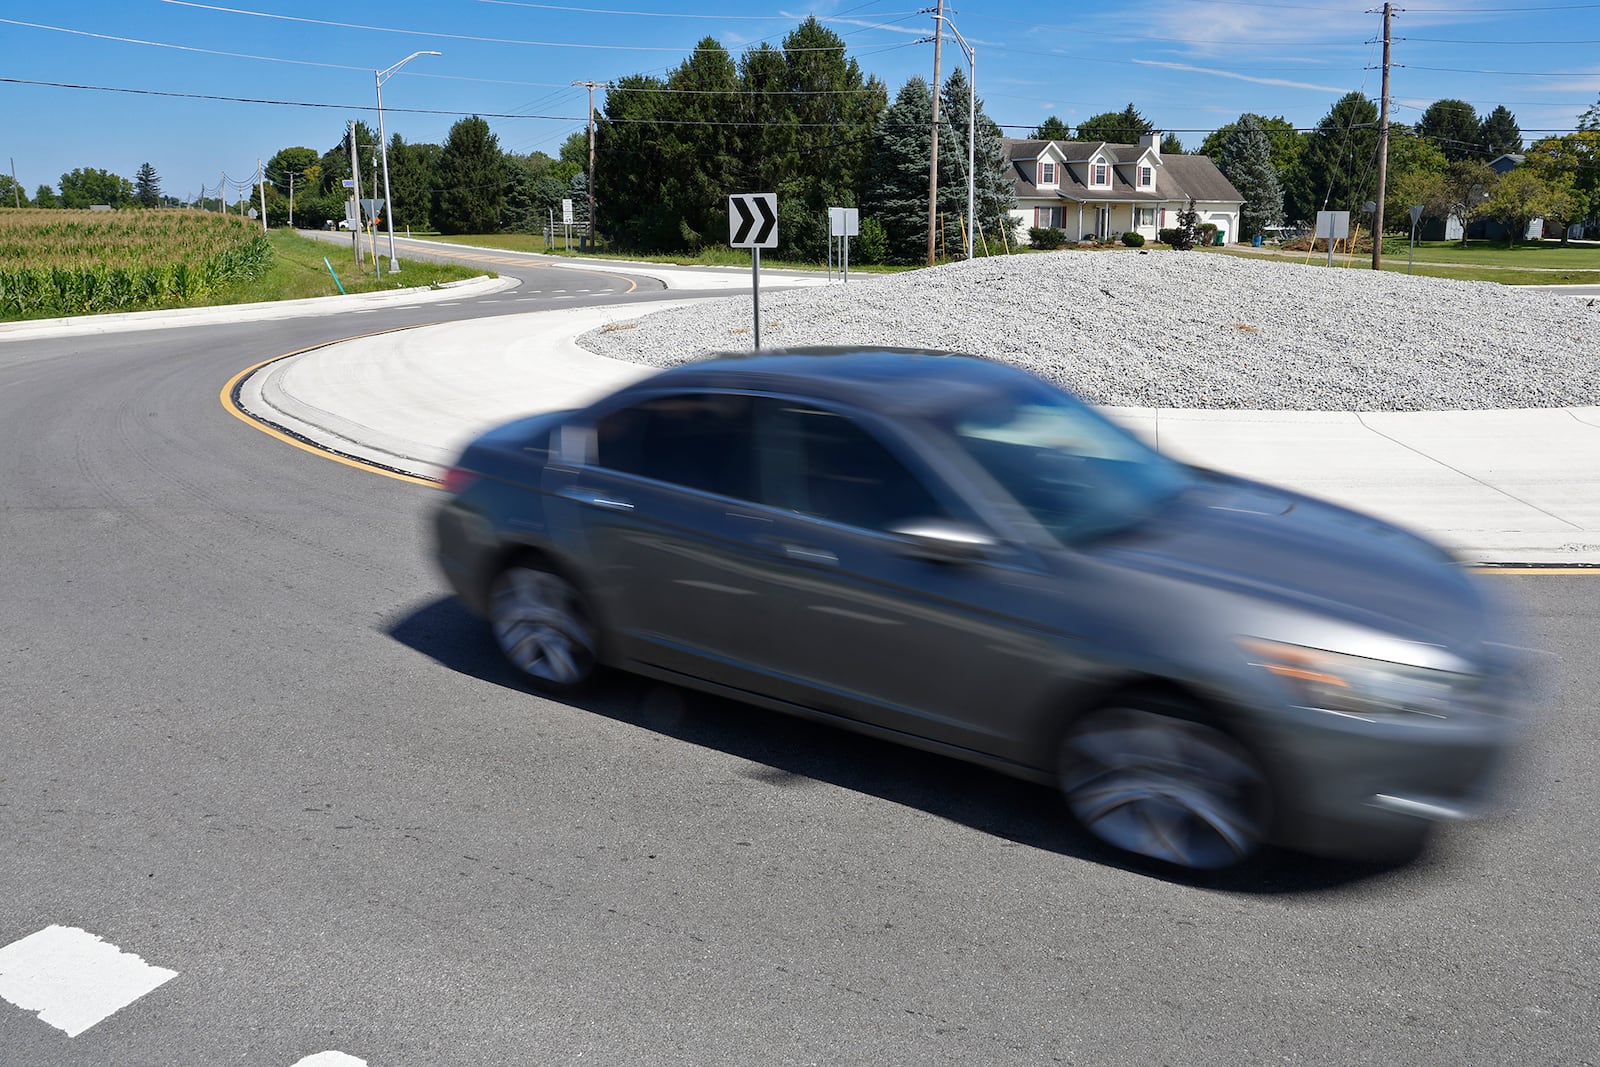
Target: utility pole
{"x":933,"y":160}
{"x":592,"y":86}
{"x":1383,"y":146}
{"x":355,"y":185}
{"x":261,"y":187}
{"x":16,"y":190}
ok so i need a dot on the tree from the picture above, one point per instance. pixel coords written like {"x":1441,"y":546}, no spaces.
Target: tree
{"x":1171,"y":145}
{"x":45,"y":196}
{"x":11,"y":192}
{"x":1117,"y":127}
{"x":896,"y":193}
{"x":1453,"y":125}
{"x":994,"y":194}
{"x":413,"y":174}
{"x":1286,"y":144}
{"x":1499,"y":134}
{"x":1518,"y":198}
{"x":86,"y":186}
{"x":147,"y":186}
{"x":472,"y":179}
{"x":1338,"y":166}
{"x":1467,"y":187}
{"x":294,"y":165}
{"x":1183,"y":235}
{"x":1051,"y":129}
{"x":1247,"y":163}
{"x":1571,"y":163}
{"x":1416,"y":175}
{"x":573,"y":159}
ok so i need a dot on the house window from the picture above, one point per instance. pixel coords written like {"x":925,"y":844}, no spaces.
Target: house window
{"x":1101,"y":174}
{"x":1047,"y":218}
{"x":1144,"y":216}
{"x":1047,"y":174}
{"x":1147,"y":177}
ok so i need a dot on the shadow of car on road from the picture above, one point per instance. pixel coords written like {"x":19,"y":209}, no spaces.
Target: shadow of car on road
{"x":792,"y":751}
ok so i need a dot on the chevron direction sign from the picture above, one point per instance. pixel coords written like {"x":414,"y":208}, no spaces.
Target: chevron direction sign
{"x":753,"y":220}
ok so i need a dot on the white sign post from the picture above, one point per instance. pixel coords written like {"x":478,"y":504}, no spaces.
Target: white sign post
{"x":1416,"y":217}
{"x":753,"y":224}
{"x":566,"y":222}
{"x":843,"y":223}
{"x":1333,"y":225}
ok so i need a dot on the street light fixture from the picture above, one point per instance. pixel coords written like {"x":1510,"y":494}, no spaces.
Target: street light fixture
{"x":378,"y":78}
{"x":972,"y":130}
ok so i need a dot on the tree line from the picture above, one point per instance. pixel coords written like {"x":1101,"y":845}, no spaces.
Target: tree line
{"x":803,"y":120}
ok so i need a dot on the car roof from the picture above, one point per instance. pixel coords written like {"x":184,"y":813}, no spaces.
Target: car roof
{"x":891,"y":380}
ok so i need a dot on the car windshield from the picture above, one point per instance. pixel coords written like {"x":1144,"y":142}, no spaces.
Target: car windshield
{"x":1076,"y":473}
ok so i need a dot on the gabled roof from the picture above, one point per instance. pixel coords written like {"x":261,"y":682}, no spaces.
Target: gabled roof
{"x":1182,"y":176}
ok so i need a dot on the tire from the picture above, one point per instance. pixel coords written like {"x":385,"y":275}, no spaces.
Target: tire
{"x":1150,"y":776}
{"x":543,"y":628}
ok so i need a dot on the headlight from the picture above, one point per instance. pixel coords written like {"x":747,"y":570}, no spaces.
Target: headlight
{"x":1361,"y":688}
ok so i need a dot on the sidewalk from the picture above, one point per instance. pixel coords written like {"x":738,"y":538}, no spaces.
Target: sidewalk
{"x":1496,"y":486}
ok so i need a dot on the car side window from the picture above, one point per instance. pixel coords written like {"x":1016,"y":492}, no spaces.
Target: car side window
{"x":697,"y":440}
{"x":827,"y":465}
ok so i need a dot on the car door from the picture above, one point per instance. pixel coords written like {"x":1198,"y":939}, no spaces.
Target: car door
{"x":660,"y":504}
{"x":866,"y":628}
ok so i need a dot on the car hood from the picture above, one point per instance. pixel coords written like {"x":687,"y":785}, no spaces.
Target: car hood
{"x":1271,"y":543}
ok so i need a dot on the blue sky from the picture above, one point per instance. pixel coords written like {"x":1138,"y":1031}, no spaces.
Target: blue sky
{"x":1188,"y":65}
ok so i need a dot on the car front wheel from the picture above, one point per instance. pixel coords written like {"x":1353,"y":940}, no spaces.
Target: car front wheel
{"x":542,"y":627}
{"x":1150,"y":776}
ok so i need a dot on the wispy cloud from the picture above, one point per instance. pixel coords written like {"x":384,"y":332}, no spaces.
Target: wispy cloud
{"x":1281,"y":82}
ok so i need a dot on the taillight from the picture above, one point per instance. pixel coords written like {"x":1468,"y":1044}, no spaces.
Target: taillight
{"x":456,"y":480}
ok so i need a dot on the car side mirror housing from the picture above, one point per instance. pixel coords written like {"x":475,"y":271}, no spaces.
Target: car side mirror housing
{"x":945,"y":540}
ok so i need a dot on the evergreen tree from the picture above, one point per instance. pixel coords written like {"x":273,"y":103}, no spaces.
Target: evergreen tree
{"x":413,"y":175}
{"x":147,"y":186}
{"x":472,"y":179}
{"x":1051,"y":129}
{"x":1339,"y":164}
{"x":1500,"y":133}
{"x":896,"y":193}
{"x":1453,"y":126}
{"x":994,"y":194}
{"x":45,"y":196}
{"x":1171,"y":145}
{"x":1247,"y":163}
{"x":1117,"y":127}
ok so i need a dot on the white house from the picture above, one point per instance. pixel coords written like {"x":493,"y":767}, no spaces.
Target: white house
{"x":1095,"y":189}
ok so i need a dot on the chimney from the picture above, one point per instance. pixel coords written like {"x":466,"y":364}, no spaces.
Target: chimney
{"x":1152,"y":141}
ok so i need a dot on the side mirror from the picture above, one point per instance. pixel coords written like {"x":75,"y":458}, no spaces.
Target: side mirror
{"x":945,"y":540}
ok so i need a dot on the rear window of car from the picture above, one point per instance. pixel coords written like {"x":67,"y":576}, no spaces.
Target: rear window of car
{"x":697,"y":440}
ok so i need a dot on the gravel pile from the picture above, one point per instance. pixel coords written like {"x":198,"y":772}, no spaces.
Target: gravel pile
{"x":1188,"y":330}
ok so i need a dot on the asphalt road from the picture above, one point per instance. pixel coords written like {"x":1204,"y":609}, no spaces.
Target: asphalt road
{"x":248,"y":737}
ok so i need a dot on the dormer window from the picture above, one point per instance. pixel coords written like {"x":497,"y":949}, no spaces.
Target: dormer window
{"x":1147,"y":177}
{"x":1047,"y":173}
{"x":1102,"y":173}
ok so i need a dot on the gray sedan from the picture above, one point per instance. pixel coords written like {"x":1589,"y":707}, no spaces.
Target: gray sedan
{"x":950,"y":553}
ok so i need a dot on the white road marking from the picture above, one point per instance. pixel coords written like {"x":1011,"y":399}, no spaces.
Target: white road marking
{"x":330,"y":1059}
{"x":72,"y":978}
{"x":367,"y":311}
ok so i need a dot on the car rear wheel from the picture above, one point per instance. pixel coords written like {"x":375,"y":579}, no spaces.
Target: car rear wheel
{"x":542,"y":627}
{"x":1150,"y":776}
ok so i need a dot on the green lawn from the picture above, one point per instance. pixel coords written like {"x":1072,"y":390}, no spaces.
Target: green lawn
{"x":1545,"y":263}
{"x":298,"y":271}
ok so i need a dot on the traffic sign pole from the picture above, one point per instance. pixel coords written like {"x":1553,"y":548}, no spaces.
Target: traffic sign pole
{"x":755,"y":290}
{"x":753,"y":224}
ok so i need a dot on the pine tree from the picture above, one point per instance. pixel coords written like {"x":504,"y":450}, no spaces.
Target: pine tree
{"x":1338,"y":164}
{"x":147,"y":186}
{"x":994,"y":194}
{"x":896,"y":191}
{"x":1500,"y":133}
{"x":472,"y":179}
{"x":1247,"y":163}
{"x":1453,"y":126}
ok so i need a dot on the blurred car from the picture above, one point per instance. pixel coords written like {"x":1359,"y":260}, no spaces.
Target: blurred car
{"x":948,"y":552}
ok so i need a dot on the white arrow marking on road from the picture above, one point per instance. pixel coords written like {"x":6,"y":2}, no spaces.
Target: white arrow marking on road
{"x":330,"y":1059}
{"x":72,"y":978}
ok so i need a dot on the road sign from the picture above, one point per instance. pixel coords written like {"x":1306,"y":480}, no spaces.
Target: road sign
{"x":1416,"y":213}
{"x":753,"y":220}
{"x":566,"y":212}
{"x":372,"y":208}
{"x":1333,"y":224}
{"x":349,"y":183}
{"x":844,"y":222}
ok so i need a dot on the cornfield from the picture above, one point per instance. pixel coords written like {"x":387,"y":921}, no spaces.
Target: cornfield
{"x":85,"y":262}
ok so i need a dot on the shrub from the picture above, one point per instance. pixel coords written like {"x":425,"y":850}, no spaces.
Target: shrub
{"x":871,"y":245}
{"x":1133,"y":240}
{"x":1046,"y":239}
{"x":1167,"y":235}
{"x":1208,"y":233}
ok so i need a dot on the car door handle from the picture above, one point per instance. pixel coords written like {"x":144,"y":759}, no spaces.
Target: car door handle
{"x":590,"y":498}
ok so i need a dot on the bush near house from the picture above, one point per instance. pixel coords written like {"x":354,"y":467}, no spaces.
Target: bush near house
{"x":1133,"y":240}
{"x":55,"y":262}
{"x":1046,"y":238}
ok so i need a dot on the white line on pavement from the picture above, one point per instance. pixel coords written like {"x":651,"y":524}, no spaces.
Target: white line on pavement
{"x":72,"y":978}
{"x":330,"y":1059}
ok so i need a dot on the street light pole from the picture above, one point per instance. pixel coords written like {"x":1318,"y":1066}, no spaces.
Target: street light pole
{"x":378,"y":78}
{"x":972,"y":132}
